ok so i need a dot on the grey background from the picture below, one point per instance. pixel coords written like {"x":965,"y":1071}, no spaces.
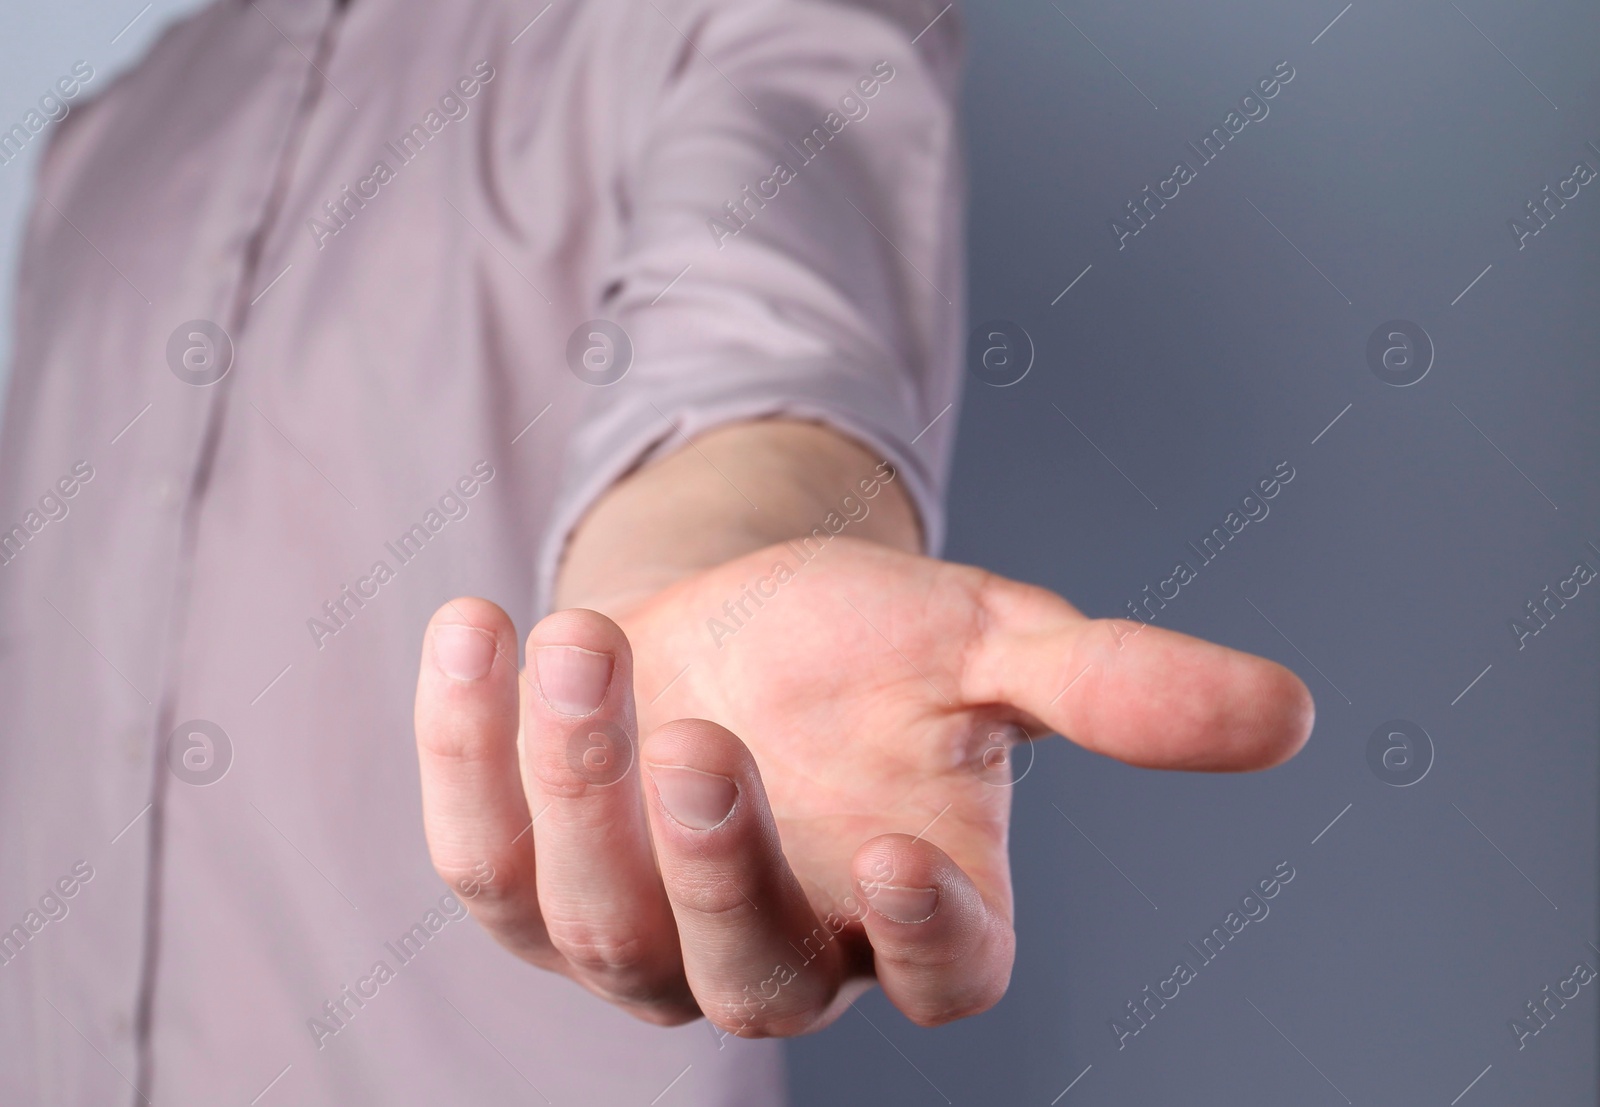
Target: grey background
{"x":1197,"y":358}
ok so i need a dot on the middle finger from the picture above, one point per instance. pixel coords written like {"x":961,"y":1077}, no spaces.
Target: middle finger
{"x":601,"y":896}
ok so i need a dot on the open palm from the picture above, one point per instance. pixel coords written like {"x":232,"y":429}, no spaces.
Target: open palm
{"x":856,"y":826}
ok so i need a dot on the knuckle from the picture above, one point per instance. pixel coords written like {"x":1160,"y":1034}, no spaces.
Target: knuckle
{"x":479,"y":893}
{"x":556,"y":780}
{"x":464,"y":746}
{"x":596,"y":951}
{"x":624,"y":968}
{"x":742,"y":1018}
{"x":713,"y":895}
{"x":656,"y":994}
{"x":486,"y":881}
{"x":785,"y":1003}
{"x":587,"y":761}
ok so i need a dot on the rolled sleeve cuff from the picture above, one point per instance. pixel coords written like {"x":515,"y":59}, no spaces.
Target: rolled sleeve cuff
{"x":646,"y":422}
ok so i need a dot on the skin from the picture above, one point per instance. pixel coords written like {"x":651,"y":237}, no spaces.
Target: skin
{"x":859,"y":721}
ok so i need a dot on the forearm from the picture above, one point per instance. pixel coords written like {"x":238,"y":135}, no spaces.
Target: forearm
{"x":729,"y":492}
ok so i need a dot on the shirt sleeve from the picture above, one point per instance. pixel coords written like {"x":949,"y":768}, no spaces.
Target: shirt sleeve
{"x":793,"y":246}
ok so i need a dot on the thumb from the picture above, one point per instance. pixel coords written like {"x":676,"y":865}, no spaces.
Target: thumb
{"x":1141,"y":694}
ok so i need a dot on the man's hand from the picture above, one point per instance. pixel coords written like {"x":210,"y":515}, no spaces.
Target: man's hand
{"x":820,"y":794}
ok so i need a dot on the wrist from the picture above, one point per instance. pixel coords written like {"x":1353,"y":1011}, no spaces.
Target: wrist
{"x":728,"y":493}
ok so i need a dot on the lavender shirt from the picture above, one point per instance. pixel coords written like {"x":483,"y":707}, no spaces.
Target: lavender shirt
{"x":321,"y":320}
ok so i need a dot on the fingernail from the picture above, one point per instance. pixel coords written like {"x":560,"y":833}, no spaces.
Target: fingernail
{"x":900,"y":904}
{"x":698,"y":800}
{"x":462,"y":652}
{"x":573,"y":680}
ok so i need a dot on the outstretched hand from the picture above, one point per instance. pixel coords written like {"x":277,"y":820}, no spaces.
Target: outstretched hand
{"x":819,"y":798}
